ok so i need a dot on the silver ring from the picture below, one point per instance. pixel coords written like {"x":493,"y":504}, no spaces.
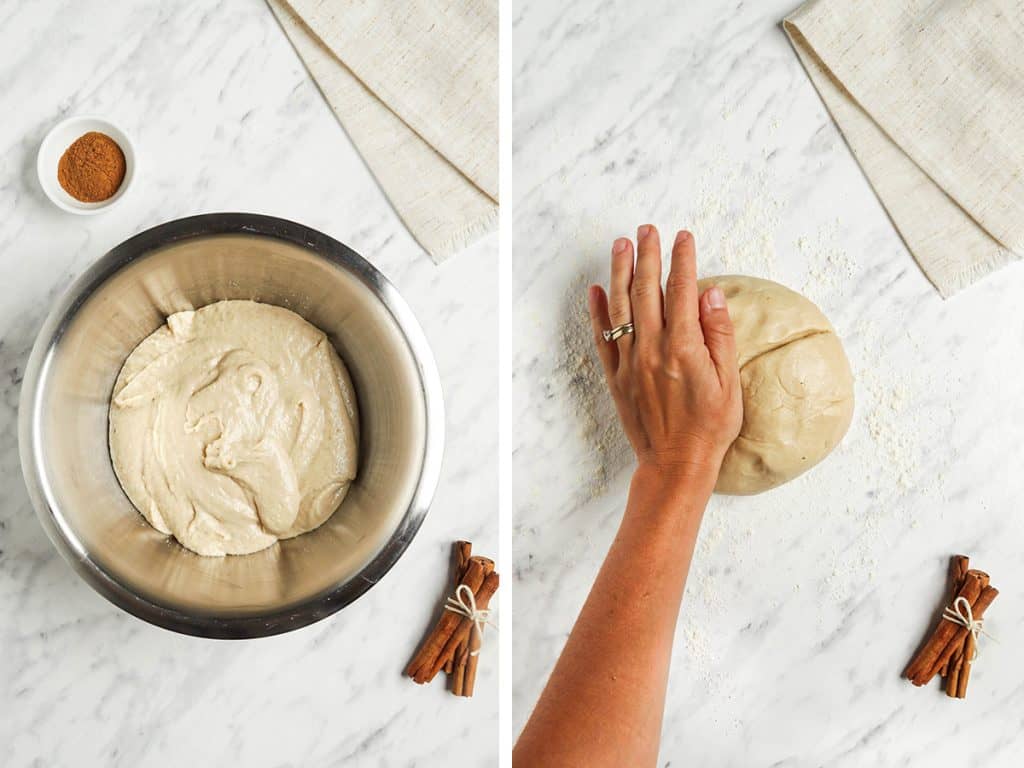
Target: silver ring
{"x":617,"y":331}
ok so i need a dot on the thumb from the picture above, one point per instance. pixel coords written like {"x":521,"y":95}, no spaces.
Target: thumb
{"x":719,"y":336}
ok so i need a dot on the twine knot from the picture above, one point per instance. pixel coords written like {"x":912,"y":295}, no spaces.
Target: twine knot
{"x":464,"y":604}
{"x":960,"y":613}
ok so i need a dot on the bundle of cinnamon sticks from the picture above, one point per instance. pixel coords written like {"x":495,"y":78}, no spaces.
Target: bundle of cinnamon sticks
{"x":951,"y":648}
{"x":455,"y":641}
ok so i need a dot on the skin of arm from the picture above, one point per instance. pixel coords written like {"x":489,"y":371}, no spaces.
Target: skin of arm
{"x":676,"y":387}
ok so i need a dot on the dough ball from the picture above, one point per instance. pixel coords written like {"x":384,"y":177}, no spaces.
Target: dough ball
{"x":797,"y":385}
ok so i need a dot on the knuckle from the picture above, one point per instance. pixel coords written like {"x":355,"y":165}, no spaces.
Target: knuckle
{"x":676,"y":281}
{"x":643,"y":289}
{"x":683,"y":344}
{"x":674,"y":368}
{"x":648,"y":358}
{"x":619,"y":307}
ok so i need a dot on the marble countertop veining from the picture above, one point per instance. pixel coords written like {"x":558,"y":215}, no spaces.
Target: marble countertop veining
{"x":224,"y":118}
{"x":803,"y":604}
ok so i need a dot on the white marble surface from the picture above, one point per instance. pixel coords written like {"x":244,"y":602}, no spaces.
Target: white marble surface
{"x":225,"y":118}
{"x":805,"y":603}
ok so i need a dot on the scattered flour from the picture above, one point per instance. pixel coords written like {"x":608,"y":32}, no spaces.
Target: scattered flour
{"x":830,"y":269}
{"x":890,"y":395}
{"x":579,"y":371}
{"x":700,"y":650}
{"x":734,"y":217}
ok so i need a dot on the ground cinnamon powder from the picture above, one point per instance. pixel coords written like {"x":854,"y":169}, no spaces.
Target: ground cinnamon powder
{"x":92,"y":168}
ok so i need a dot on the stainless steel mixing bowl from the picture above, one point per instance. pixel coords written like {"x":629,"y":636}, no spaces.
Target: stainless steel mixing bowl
{"x":125,"y":296}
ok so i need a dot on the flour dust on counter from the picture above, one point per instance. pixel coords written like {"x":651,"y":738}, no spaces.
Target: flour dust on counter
{"x":579,"y":382}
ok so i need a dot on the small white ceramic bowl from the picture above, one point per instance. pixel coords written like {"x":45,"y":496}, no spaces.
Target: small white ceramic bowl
{"x":62,"y":136}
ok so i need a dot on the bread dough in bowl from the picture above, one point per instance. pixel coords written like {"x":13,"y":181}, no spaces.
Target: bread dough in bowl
{"x":233,"y":426}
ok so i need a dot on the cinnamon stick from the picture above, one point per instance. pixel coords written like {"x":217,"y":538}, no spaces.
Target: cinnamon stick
{"x":925,"y":659}
{"x":451,"y":666}
{"x":463,"y":665}
{"x":483,"y":598}
{"x":461,"y":552}
{"x":452,"y":642}
{"x":470,"y":677}
{"x":978,"y":608}
{"x":460,"y":663}
{"x":954,"y":666}
{"x":965,"y":670}
{"x":467,"y":657}
{"x":950,"y":649}
{"x":982,"y":575}
{"x":958,"y":567}
{"x":446,"y":626}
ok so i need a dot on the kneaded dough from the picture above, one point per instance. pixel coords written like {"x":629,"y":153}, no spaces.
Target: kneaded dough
{"x":234,"y":426}
{"x":796,"y":380}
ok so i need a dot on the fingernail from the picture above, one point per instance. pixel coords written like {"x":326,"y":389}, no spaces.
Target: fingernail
{"x":620,"y":245}
{"x":716,"y":299}
{"x":682,"y":236}
{"x":642,"y":231}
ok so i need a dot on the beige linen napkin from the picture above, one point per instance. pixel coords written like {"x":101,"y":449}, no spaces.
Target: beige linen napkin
{"x":930,"y":97}
{"x":414,"y":83}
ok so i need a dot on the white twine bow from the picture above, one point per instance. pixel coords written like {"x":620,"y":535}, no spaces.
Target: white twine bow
{"x":960,"y":613}
{"x":466,"y":606}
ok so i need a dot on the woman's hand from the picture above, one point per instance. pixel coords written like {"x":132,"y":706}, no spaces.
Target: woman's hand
{"x":677,"y":388}
{"x":675,"y":380}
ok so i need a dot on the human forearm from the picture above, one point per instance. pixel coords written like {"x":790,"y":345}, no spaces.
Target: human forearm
{"x":603,"y":704}
{"x":670,"y":362}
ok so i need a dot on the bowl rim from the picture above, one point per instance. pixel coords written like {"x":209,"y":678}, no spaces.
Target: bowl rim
{"x":123,"y":139}
{"x":138,"y":247}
